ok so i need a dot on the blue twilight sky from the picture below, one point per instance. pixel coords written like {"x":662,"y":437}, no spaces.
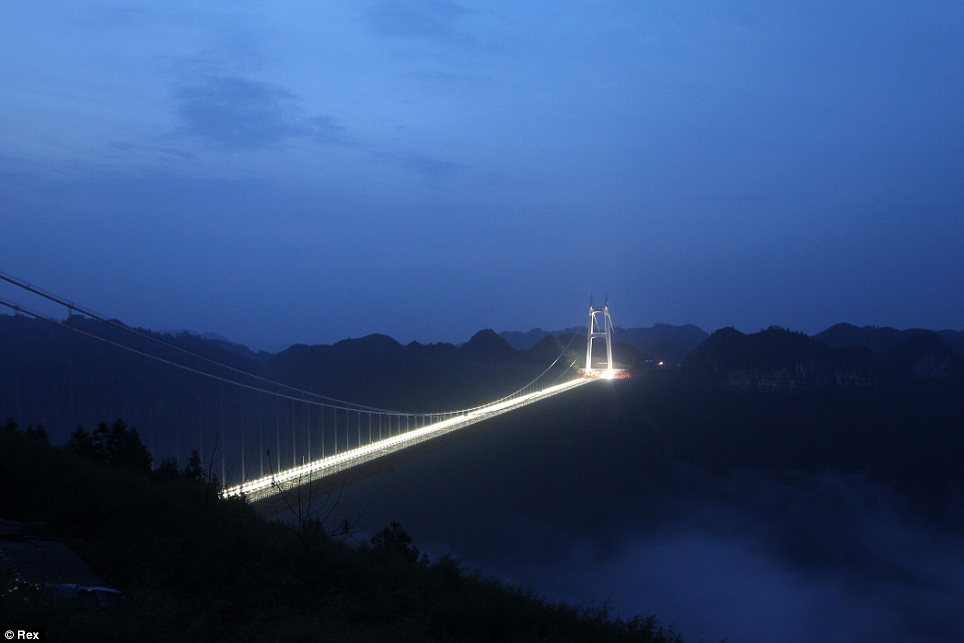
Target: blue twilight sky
{"x":304,"y":171}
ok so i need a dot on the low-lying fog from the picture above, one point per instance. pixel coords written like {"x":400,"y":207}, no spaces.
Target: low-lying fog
{"x":821,"y":557}
{"x":838,"y":564}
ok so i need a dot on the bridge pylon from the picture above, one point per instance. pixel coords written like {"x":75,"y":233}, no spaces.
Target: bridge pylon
{"x":600,"y":327}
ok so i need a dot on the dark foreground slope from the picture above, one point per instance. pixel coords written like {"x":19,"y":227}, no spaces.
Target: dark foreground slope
{"x":197,"y":569}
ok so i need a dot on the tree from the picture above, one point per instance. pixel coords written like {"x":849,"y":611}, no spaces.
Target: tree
{"x":125,"y":450}
{"x":11,"y":425}
{"x":82,"y":443}
{"x":396,"y":541}
{"x":167,"y":469}
{"x":116,"y":445}
{"x":194,"y":470}
{"x":40,"y":433}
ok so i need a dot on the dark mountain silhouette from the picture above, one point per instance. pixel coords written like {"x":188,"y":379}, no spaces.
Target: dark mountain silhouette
{"x":664,"y":342}
{"x":954,"y":339}
{"x":925,"y":355}
{"x":780,"y":359}
{"x":880,"y":339}
{"x":729,"y":349}
{"x":215,"y":338}
{"x":548,"y":347}
{"x":373,"y":346}
{"x":486,"y":344}
{"x":524,"y":340}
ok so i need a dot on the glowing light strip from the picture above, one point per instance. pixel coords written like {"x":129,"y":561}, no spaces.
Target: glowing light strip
{"x":260,"y":488}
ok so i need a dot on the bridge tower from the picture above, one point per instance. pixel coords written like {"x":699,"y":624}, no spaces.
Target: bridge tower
{"x":599,"y":330}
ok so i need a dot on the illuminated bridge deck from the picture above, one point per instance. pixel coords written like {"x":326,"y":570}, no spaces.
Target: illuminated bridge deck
{"x":261,"y":488}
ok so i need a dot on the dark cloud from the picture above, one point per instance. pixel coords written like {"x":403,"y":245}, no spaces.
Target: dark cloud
{"x":324,"y":129}
{"x":435,"y":21}
{"x":433,"y":169}
{"x":122,"y":146}
{"x":234,"y":113}
{"x":136,"y":17}
{"x":438,"y":81}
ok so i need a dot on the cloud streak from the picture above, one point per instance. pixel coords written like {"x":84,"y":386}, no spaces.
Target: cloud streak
{"x":232,"y":113}
{"x":433,"y":169}
{"x":432,"y":21}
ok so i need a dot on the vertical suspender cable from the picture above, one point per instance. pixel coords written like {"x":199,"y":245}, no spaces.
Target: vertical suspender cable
{"x":70,"y":371}
{"x":277,"y":428}
{"x":307,"y":432}
{"x":177,"y":440}
{"x":200,"y":423}
{"x":244,"y":470}
{"x":294,"y":452}
{"x":224,"y":479}
{"x":260,"y":435}
{"x":16,"y":359}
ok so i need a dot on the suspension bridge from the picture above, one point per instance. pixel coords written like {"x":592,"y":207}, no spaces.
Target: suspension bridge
{"x":346,"y":434}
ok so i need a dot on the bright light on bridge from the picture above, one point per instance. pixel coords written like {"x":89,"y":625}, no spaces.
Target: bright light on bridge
{"x":257,"y":489}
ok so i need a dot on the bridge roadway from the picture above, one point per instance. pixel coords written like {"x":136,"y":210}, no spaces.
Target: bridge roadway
{"x":270,"y":485}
